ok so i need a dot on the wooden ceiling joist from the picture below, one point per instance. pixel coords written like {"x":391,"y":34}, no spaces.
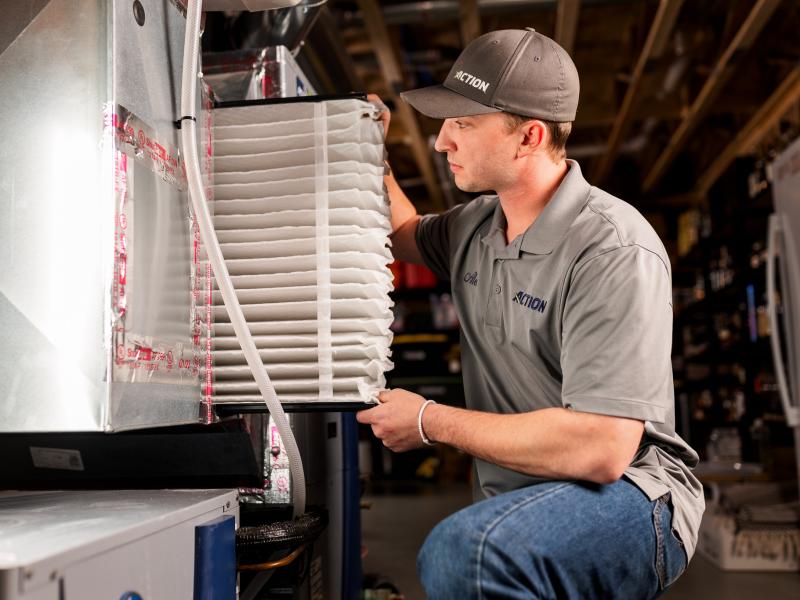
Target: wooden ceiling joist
{"x":567,"y":23}
{"x":767,"y":117}
{"x":677,"y":202}
{"x":744,"y":38}
{"x":664,"y":21}
{"x":470,"y":20}
{"x":392,"y":74}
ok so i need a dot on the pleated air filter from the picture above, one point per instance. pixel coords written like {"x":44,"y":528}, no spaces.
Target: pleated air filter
{"x":303,"y":221}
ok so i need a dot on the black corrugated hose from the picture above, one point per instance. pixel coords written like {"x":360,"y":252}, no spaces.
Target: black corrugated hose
{"x":258,"y":544}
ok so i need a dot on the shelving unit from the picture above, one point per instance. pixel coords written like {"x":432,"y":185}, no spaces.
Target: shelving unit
{"x":726,"y":396}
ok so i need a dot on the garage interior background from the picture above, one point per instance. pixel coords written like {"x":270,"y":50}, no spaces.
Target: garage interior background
{"x":686,"y":108}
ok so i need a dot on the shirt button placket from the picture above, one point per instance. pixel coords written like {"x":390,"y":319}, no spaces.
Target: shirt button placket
{"x":494,"y":305}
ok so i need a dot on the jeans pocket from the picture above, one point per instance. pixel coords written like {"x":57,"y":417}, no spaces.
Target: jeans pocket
{"x":670,"y":553}
{"x":675,"y":561}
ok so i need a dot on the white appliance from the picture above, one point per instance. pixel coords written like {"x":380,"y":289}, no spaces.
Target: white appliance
{"x":102,"y":545}
{"x":784,"y":259}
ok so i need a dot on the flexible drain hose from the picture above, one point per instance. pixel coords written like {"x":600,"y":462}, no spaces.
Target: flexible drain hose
{"x":191,"y":50}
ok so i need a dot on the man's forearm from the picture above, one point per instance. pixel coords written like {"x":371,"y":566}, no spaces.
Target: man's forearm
{"x":401,"y":207}
{"x":554,"y":442}
{"x":404,"y":222}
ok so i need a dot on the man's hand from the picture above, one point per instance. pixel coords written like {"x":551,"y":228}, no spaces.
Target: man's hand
{"x":385,"y":115}
{"x":394,"y":420}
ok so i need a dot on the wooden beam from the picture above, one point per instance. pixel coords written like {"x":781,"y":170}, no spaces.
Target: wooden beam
{"x":760,"y":124}
{"x":567,"y":23}
{"x":677,"y":202}
{"x":470,"y":20}
{"x":723,"y":68}
{"x":665,"y":18}
{"x":392,"y":74}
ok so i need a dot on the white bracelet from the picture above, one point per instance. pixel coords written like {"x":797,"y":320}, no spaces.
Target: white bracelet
{"x":422,"y":408}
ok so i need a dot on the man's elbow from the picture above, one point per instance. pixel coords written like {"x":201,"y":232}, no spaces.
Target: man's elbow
{"x":615,"y":452}
{"x":608,"y":472}
{"x":607,"y":469}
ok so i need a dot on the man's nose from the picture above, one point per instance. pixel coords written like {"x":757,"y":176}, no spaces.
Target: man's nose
{"x":443,"y":142}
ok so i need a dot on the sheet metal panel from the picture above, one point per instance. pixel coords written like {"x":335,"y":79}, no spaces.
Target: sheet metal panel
{"x":89,"y":154}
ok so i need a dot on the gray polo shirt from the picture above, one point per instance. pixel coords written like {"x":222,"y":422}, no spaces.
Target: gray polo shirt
{"x":576,"y":312}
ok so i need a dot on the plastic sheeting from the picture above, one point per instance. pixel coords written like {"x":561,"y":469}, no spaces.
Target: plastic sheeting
{"x":303,"y":221}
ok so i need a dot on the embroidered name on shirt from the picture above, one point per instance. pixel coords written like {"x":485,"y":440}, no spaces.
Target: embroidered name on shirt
{"x":531,"y":302}
{"x":479,"y":84}
{"x":471,"y":278}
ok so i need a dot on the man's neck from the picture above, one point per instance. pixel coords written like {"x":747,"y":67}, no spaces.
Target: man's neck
{"x":524,"y":202}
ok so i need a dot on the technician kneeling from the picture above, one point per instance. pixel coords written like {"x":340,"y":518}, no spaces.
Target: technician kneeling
{"x":565,"y":301}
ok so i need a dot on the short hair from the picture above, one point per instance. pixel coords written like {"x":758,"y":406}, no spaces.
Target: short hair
{"x":559,"y":132}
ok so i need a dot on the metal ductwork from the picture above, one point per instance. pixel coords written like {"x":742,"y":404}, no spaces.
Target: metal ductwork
{"x":286,"y":27}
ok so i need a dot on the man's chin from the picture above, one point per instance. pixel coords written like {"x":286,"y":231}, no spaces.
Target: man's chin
{"x":470,"y":187}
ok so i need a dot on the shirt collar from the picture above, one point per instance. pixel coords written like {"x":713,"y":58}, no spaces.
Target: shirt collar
{"x":550,"y":226}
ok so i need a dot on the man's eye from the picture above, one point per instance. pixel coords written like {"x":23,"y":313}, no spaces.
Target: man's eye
{"x":460,"y":124}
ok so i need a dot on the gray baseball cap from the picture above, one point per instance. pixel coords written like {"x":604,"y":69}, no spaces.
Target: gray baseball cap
{"x":519,"y":71}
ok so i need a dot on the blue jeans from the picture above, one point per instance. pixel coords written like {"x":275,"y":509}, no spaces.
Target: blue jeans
{"x":557,"y":539}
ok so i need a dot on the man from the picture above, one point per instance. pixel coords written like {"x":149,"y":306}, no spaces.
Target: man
{"x":565,"y":302}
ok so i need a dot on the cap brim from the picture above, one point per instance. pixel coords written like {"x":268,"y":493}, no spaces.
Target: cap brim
{"x":439,"y":102}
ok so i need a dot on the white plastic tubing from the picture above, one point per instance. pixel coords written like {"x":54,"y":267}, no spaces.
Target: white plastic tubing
{"x":191,"y":50}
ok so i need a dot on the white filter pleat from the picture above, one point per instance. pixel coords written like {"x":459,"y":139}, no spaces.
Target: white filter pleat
{"x":287,"y":264}
{"x":301,"y":185}
{"x":304,"y":293}
{"x":349,"y":308}
{"x":236,"y":236}
{"x":363,"y":131}
{"x":368,"y":219}
{"x":362,"y":152}
{"x":370,"y":326}
{"x":300,"y":278}
{"x":291,"y":355}
{"x":254,"y":399}
{"x":285,"y":113}
{"x":344,"y":199}
{"x":290,"y":370}
{"x":297,"y":385}
{"x":365,"y":243}
{"x":347,"y":167}
{"x":303,"y":223}
{"x":281,"y":128}
{"x":301,"y":340}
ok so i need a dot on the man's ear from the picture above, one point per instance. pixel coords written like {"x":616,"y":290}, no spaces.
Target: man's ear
{"x":534,"y":137}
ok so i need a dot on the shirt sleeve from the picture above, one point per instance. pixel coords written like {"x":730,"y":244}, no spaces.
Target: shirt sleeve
{"x":617,"y":336}
{"x":435,"y":239}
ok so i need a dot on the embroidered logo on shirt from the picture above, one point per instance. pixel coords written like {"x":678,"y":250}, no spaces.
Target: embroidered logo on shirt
{"x":536,"y":304}
{"x":471,"y":278}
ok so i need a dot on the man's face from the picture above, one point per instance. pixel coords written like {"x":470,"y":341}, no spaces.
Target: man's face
{"x":480,"y":151}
